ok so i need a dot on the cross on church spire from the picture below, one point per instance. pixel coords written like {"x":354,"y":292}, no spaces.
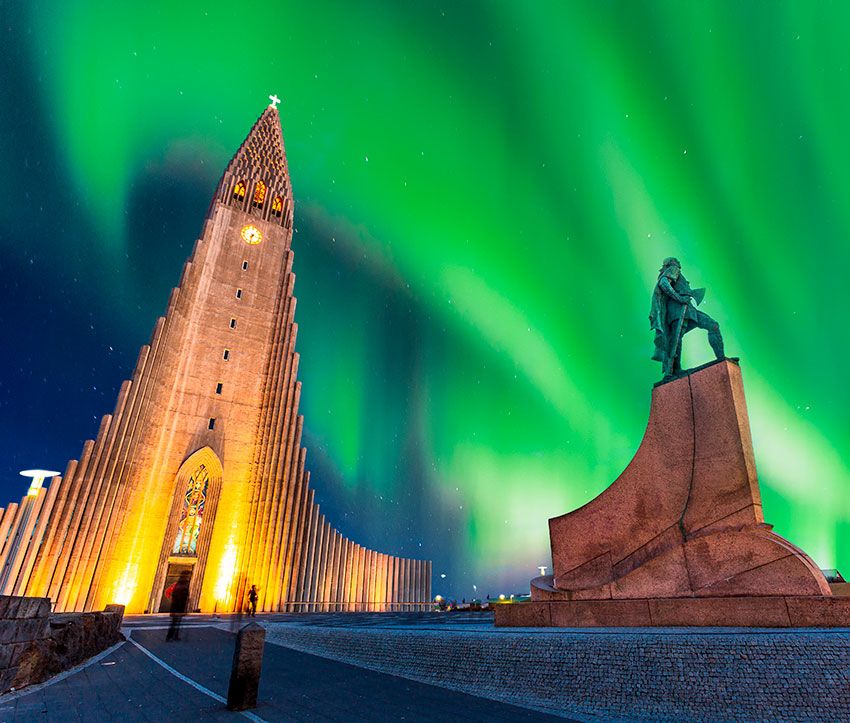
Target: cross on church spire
{"x":274,"y":100}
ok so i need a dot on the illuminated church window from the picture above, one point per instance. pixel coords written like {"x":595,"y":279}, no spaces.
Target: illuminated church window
{"x":239,"y":191}
{"x":277,"y":206}
{"x":192,"y":514}
{"x":260,"y":194}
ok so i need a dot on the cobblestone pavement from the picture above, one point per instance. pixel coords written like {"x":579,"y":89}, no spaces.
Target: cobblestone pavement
{"x":128,"y":685}
{"x":620,"y":673}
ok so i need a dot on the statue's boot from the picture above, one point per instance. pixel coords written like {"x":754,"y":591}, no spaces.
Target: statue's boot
{"x":716,"y":342}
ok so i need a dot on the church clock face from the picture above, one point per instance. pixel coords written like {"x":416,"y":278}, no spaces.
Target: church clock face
{"x":251,"y":235}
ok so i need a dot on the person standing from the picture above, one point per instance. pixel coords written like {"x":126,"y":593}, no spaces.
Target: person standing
{"x":179,"y":601}
{"x":252,"y":600}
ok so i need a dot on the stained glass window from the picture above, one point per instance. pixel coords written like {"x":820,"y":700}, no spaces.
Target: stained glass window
{"x":259,"y":194}
{"x":239,"y":191}
{"x":277,"y":206}
{"x":192,"y":514}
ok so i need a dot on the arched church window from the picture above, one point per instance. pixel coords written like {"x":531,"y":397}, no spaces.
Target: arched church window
{"x":259,"y":194}
{"x":277,"y":206}
{"x":239,"y":191}
{"x":192,"y":513}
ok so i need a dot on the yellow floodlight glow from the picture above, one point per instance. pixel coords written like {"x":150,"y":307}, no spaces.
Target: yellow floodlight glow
{"x":125,"y":586}
{"x":226,"y":568}
{"x":38,"y":476}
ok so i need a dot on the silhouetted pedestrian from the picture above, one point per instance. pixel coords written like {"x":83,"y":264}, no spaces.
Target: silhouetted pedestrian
{"x":179,"y":594}
{"x":252,"y":600}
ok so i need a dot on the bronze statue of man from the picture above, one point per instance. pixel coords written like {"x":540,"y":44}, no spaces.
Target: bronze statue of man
{"x":672,"y":315}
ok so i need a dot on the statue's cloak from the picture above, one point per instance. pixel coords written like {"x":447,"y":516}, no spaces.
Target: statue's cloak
{"x":658,"y":318}
{"x":658,"y":309}
{"x":665,"y":309}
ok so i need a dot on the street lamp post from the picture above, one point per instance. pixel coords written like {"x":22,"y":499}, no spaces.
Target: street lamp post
{"x":20,"y":530}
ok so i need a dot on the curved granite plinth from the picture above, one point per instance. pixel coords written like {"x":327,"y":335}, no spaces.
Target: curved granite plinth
{"x":682,"y":522}
{"x":684,"y":519}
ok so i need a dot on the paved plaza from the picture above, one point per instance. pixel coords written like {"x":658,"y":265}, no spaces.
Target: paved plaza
{"x":430,"y":666}
{"x":129,"y":684}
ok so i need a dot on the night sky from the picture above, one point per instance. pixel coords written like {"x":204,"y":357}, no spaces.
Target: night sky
{"x":484,"y":194}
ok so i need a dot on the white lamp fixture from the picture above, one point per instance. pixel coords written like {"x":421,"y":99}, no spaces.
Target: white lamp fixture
{"x":38,"y":476}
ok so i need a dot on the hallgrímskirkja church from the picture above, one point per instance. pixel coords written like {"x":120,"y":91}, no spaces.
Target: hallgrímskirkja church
{"x":200,"y":467}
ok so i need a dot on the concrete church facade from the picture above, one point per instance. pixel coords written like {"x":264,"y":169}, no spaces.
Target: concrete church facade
{"x":200,"y":467}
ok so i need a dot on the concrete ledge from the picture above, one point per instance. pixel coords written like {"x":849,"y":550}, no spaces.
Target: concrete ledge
{"x":758,"y":612}
{"x":841,"y":589}
{"x":35,"y":645}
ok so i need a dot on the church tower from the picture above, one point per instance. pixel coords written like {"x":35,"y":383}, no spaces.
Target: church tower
{"x":200,"y":467}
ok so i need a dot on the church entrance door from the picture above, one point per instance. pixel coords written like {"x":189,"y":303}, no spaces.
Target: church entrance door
{"x":171,"y":576}
{"x":186,"y":543}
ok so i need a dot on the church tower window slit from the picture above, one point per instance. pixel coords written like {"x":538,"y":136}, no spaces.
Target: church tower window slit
{"x":259,"y":194}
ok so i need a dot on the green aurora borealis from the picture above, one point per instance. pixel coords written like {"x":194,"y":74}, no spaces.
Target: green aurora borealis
{"x":484,"y":193}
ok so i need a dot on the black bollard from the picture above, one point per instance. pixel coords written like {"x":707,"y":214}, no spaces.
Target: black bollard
{"x":247,"y":664}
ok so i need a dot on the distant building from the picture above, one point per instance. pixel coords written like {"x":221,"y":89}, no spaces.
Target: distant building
{"x":200,"y":467}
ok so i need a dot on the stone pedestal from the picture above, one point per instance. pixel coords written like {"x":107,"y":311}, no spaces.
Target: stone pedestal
{"x":247,"y":666}
{"x":679,"y":538}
